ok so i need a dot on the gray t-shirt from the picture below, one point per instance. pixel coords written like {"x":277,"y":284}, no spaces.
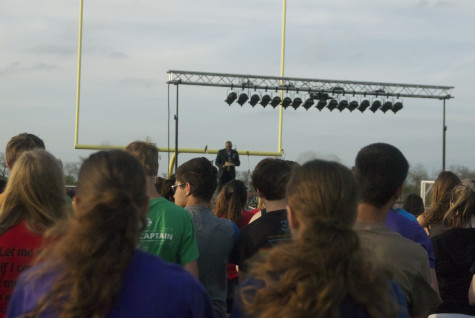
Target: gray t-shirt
{"x":406,"y":259}
{"x":215,"y":237}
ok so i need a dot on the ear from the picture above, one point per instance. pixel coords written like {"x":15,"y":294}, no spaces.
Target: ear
{"x":399,"y":191}
{"x":259,"y":194}
{"x":8,"y":165}
{"x":292,"y":219}
{"x":188,"y":189}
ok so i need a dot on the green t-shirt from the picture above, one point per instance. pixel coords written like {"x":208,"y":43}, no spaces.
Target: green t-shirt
{"x":170,"y":233}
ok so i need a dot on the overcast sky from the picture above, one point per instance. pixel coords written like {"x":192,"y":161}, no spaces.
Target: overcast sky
{"x":129,"y":45}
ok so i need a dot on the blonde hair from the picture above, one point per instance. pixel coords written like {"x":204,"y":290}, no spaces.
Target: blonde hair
{"x":35,"y":193}
{"x":323,"y":266}
{"x":440,"y":200}
{"x":98,"y":242}
{"x":462,"y":206}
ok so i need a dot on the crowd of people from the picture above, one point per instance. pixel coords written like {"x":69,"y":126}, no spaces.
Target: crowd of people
{"x":326,"y":241}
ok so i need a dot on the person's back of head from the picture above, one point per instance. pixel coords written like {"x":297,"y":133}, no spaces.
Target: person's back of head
{"x":231,"y":201}
{"x":201,"y":175}
{"x":97,"y":244}
{"x":147,"y":154}
{"x":380,"y":169}
{"x":323,"y":265}
{"x":35,"y":192}
{"x":462,"y":206}
{"x":270,"y":178}
{"x":413,"y":204}
{"x":165,"y":188}
{"x":19,"y":144}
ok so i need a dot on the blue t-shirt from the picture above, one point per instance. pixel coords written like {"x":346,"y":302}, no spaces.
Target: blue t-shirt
{"x":151,"y":288}
{"x":412,"y":231}
{"x":348,"y":308}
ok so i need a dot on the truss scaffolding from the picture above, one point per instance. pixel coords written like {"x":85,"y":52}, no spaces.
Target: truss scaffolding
{"x":334,"y":87}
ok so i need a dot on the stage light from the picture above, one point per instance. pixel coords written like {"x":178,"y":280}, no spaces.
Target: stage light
{"x":386,"y":106}
{"x":321,"y":104}
{"x":308,"y":103}
{"x":265,"y":100}
{"x":231,"y":98}
{"x":364,"y":104}
{"x":254,"y":100}
{"x":352,"y":106}
{"x":275,"y":101}
{"x":286,"y":102}
{"x":397,"y":107}
{"x":375,"y":106}
{"x":242,"y":98}
{"x":296,"y":103}
{"x":332,"y":104}
{"x":343,"y":104}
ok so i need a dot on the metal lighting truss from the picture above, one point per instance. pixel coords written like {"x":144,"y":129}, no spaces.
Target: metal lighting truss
{"x":334,"y":87}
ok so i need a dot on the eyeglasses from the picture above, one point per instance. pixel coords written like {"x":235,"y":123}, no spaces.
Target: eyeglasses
{"x":177,"y":185}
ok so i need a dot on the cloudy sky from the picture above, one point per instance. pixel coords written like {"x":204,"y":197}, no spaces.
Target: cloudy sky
{"x":129,"y":45}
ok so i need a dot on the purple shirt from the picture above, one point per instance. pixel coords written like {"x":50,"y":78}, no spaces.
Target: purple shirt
{"x":412,"y":231}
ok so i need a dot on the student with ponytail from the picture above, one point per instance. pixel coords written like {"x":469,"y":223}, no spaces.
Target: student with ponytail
{"x":455,"y":253}
{"x":322,"y":272}
{"x":95,"y":269}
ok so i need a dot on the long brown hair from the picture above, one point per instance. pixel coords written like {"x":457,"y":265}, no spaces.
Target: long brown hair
{"x":462,"y":206}
{"x":440,"y":200}
{"x":324,"y":265}
{"x":91,"y":258}
{"x":231,"y":201}
{"x":35,"y":193}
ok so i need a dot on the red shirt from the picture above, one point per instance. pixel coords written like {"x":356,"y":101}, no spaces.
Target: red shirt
{"x":18,"y":247}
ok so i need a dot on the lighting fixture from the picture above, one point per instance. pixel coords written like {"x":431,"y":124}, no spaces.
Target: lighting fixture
{"x":296,"y":102}
{"x":397,"y":107}
{"x":343,"y":104}
{"x":352,"y":106}
{"x":265,"y":100}
{"x":231,"y":98}
{"x":242,"y":98}
{"x":375,"y":106}
{"x":275,"y":101}
{"x":286,"y":102}
{"x":308,"y":103}
{"x":364,"y":104}
{"x":254,"y":100}
{"x":332,"y":105}
{"x":386,"y":106}
{"x":321,"y":104}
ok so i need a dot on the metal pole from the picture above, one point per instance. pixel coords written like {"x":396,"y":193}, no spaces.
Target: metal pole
{"x":444,"y":132}
{"x":78,"y":90}
{"x":176,"y":129}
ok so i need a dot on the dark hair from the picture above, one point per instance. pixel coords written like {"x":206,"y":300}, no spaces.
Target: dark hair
{"x":413,"y":204}
{"x":147,"y":154}
{"x":231,"y":201}
{"x":164,"y":187}
{"x":324,"y":265}
{"x":440,"y":201}
{"x":271,"y":176}
{"x":380,"y":170}
{"x":202,"y":176}
{"x":3,"y":184}
{"x":21,"y":143}
{"x":98,"y":242}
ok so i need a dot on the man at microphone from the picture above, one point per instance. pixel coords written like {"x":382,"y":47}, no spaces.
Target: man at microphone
{"x":226,"y":160}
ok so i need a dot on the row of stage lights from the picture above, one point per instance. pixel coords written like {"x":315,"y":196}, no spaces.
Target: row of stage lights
{"x":309,"y":102}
